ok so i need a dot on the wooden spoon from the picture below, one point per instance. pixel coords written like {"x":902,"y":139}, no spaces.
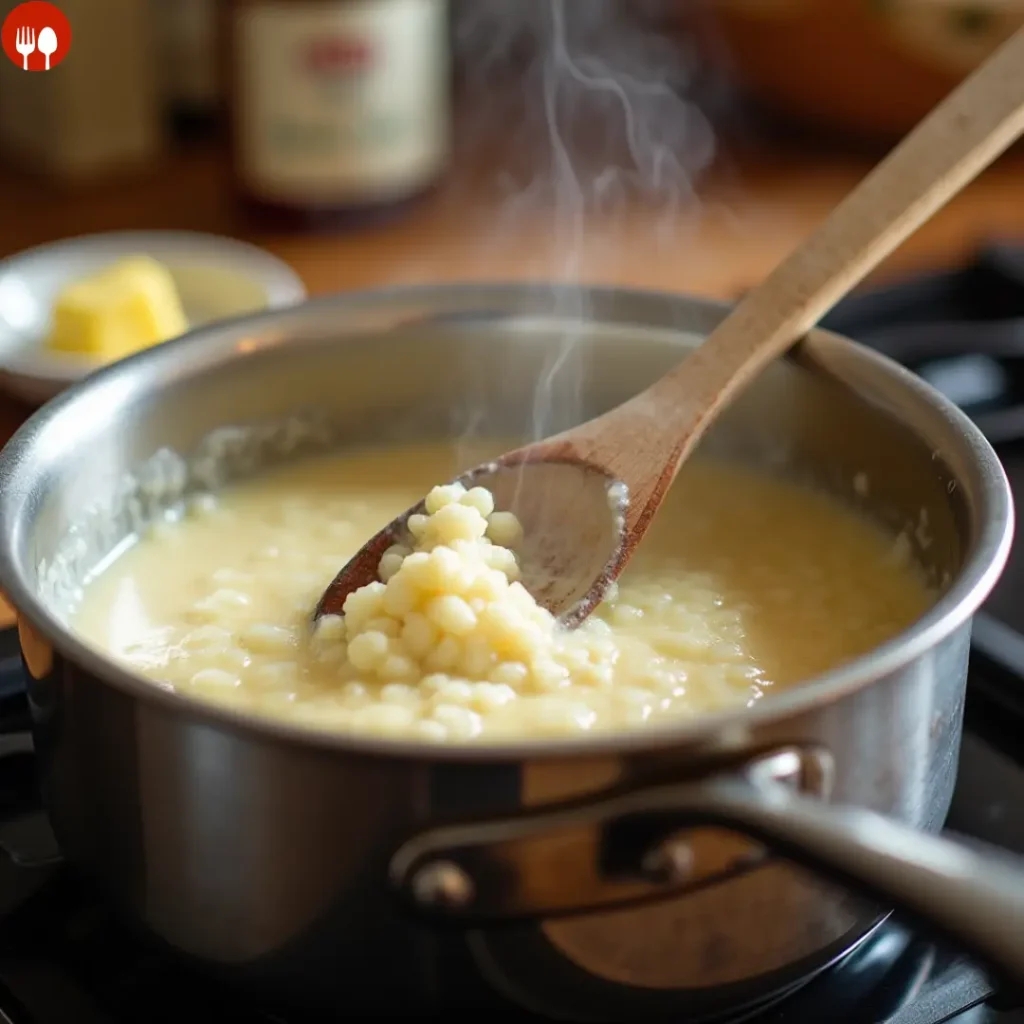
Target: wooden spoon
{"x":586,"y":496}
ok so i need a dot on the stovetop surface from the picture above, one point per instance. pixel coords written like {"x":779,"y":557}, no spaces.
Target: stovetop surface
{"x":65,"y":959}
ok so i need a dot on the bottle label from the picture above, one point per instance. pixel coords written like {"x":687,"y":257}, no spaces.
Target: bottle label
{"x":341,"y":103}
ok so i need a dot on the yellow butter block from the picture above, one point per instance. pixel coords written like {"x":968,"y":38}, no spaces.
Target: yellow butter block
{"x":118,"y":311}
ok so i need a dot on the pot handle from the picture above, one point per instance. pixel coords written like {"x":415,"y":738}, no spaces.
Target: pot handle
{"x":974,"y":900}
{"x":654,"y":835}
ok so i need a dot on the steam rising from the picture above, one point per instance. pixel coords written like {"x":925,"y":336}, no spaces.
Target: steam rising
{"x":599,"y":118}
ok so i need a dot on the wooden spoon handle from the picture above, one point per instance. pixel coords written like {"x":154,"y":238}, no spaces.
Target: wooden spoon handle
{"x":961,"y":137}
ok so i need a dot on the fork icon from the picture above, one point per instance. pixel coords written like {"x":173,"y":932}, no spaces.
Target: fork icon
{"x":25,"y":43}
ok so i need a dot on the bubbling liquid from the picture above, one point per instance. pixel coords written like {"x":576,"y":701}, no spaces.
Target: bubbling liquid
{"x":745,"y":584}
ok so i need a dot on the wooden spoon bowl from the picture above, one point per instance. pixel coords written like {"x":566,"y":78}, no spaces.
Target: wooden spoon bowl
{"x":573,"y":529}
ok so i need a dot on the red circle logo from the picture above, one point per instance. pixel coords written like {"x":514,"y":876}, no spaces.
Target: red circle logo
{"x":36,"y":36}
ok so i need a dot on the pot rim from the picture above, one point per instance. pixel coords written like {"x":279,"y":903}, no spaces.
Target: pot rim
{"x":983,"y":563}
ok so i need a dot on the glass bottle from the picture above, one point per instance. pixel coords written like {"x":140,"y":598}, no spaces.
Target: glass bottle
{"x":341,"y":109}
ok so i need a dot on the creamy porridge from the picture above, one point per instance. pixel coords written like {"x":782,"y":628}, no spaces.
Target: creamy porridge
{"x":744,"y":585}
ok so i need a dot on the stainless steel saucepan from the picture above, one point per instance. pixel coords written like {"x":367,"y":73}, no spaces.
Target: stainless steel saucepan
{"x":616,"y":878}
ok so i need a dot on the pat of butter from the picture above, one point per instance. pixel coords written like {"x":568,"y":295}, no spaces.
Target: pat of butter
{"x":118,"y":311}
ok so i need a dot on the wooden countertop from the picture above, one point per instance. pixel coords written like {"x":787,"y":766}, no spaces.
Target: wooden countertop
{"x":750,"y":215}
{"x":753,"y":212}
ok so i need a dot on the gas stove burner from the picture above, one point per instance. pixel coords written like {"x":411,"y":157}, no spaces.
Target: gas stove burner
{"x":65,"y":958}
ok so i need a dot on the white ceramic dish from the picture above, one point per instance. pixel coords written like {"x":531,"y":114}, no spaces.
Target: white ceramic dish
{"x":216,"y":278}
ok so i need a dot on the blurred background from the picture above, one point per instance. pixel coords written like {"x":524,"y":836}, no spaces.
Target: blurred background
{"x":683,"y":144}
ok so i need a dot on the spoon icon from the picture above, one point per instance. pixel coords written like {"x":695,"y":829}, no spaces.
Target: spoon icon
{"x":47,"y":44}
